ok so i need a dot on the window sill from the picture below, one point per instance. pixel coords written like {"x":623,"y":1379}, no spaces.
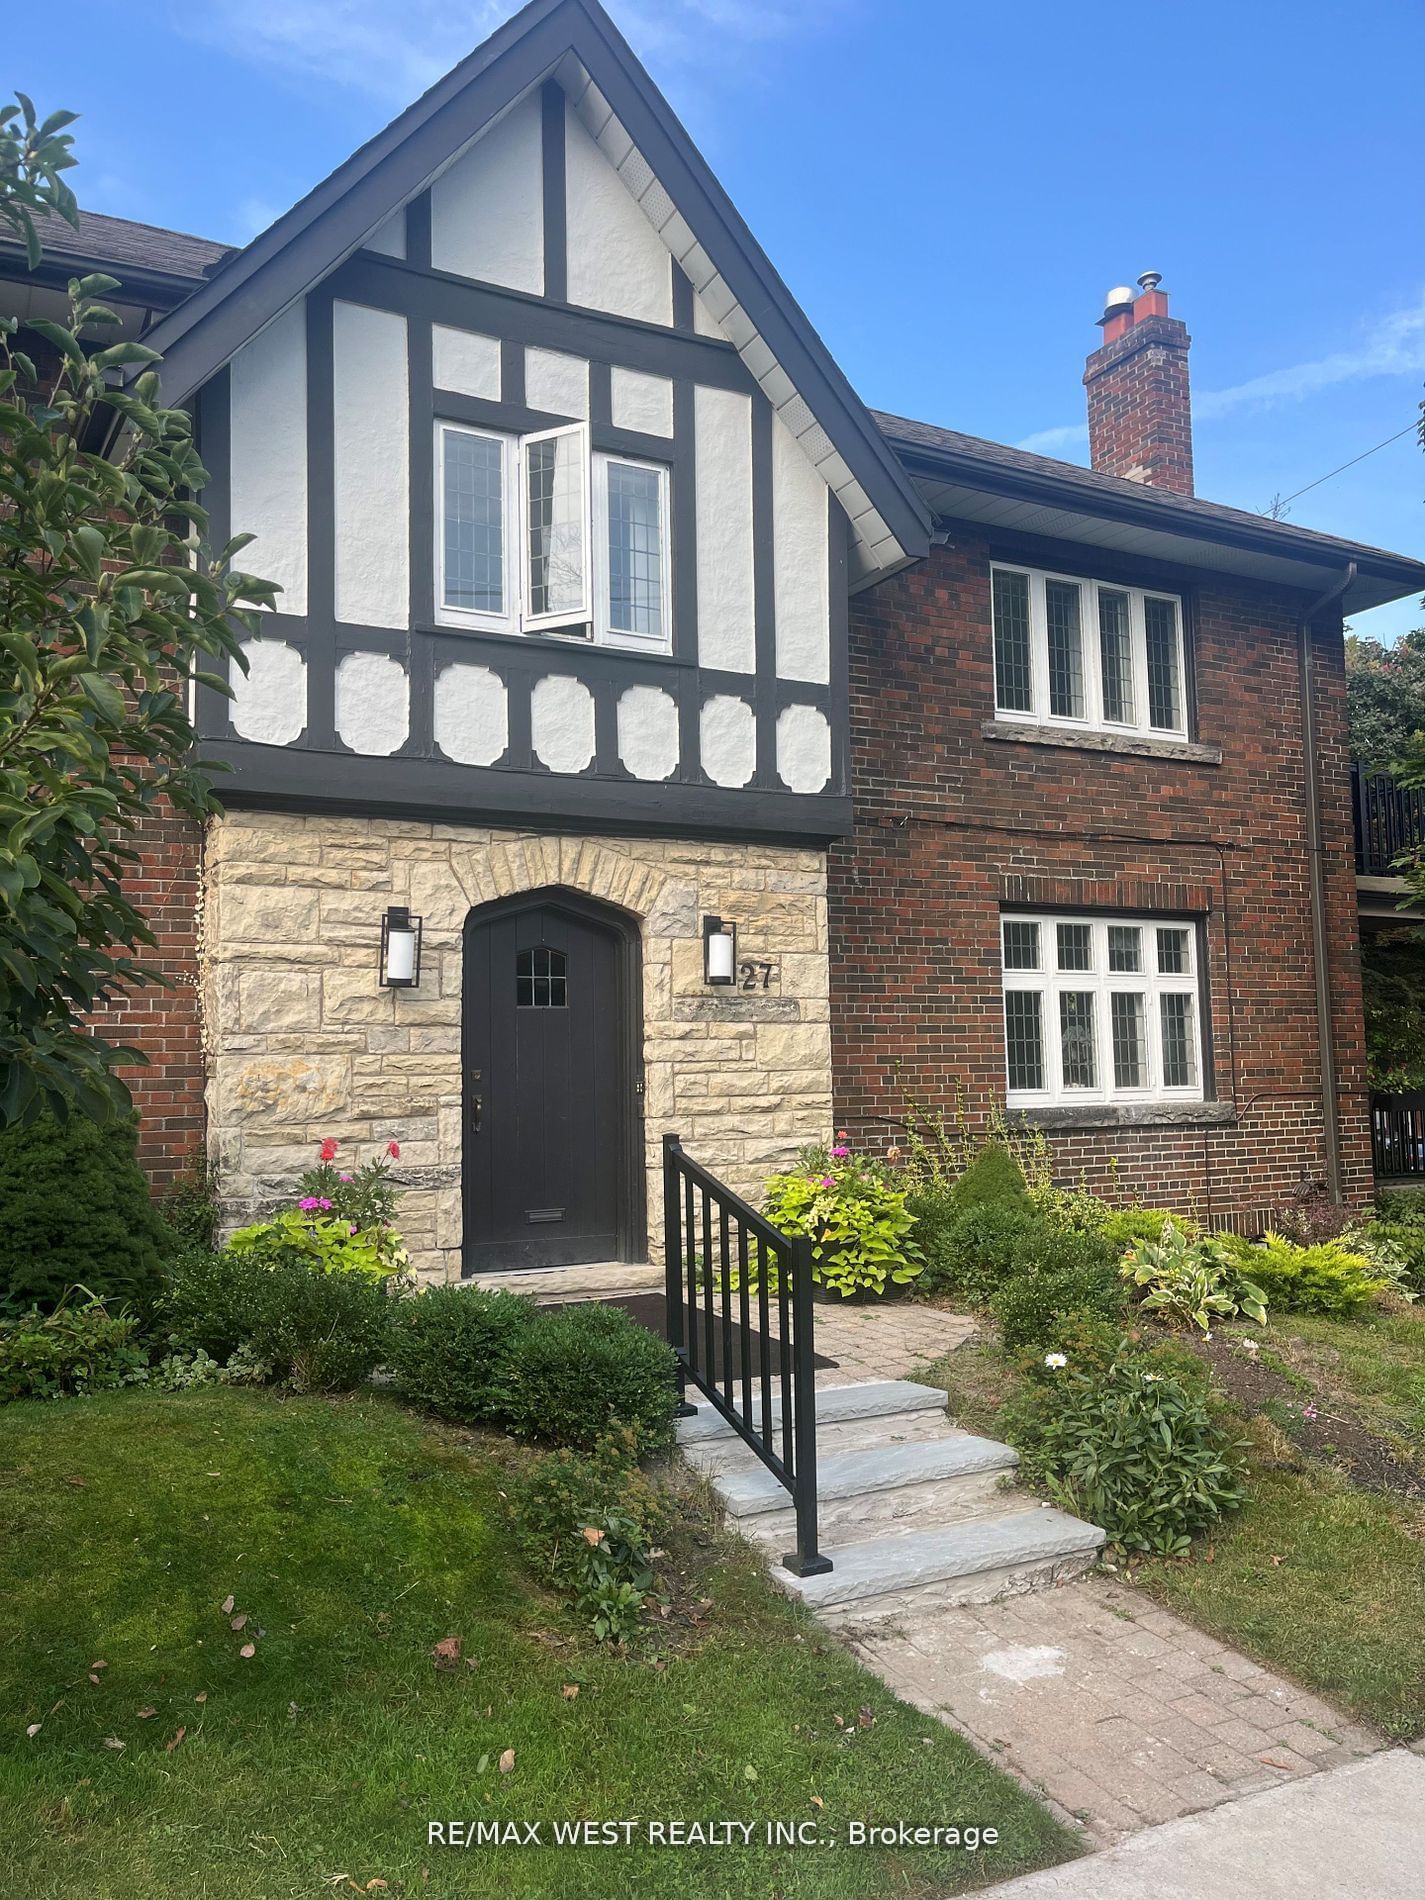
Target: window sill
{"x":1124,"y":1115}
{"x":1184,"y":750}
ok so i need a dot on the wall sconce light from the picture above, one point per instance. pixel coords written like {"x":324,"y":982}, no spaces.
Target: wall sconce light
{"x":400,"y":949}
{"x":719,"y":951}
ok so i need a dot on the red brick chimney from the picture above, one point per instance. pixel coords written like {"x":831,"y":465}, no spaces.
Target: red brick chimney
{"x":1140,"y":409}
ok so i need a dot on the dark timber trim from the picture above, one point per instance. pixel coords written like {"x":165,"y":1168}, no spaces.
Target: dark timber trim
{"x":418,"y":231}
{"x":299,"y":778}
{"x":386,"y":283}
{"x":552,"y":108}
{"x":211,"y":710}
{"x":683,"y":318}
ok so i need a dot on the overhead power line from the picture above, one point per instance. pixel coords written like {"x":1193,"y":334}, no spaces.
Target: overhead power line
{"x":1409,"y":428}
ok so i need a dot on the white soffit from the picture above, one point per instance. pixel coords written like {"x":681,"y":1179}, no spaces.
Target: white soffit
{"x":873,"y":546}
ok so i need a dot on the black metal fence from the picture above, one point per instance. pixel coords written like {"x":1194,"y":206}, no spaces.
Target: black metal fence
{"x":1398,"y":1135}
{"x":740,"y":1322}
{"x":1388,"y":820}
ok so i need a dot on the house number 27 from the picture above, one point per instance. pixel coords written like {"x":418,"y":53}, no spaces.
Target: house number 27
{"x":755,"y":976}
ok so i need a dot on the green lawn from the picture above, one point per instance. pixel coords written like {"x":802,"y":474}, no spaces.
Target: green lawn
{"x":1377,"y":1362}
{"x":354,"y":1538}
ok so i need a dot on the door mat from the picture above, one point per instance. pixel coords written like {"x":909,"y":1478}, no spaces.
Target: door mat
{"x":651,"y":1310}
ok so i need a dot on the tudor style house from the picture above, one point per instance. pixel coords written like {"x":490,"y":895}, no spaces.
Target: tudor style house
{"x":652,"y":737}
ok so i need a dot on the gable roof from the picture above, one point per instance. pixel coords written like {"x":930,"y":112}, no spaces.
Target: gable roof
{"x":967,"y":478}
{"x":575,"y":42}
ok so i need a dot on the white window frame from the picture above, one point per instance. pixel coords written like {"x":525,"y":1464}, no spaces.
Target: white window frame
{"x":1093,"y":720}
{"x":591,"y":620}
{"x":1102,"y":982}
{"x":506,"y":621}
{"x":606,"y":633}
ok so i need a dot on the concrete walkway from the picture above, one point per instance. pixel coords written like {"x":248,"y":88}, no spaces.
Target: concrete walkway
{"x":1356,"y":1832}
{"x":1119,"y":1713}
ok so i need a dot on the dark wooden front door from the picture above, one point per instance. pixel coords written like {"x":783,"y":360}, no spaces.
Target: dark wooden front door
{"x":548,"y":1089}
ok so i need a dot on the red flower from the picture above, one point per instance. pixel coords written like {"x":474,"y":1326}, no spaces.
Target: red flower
{"x":328,"y":1149}
{"x":393,"y":1148}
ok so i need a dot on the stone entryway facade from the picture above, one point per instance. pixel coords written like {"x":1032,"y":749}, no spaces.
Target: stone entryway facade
{"x":303,"y":1042}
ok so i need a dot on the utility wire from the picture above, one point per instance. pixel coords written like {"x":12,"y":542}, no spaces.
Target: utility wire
{"x":1407,"y":430}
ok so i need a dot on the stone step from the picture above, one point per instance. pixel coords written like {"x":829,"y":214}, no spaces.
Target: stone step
{"x":714,"y":1456}
{"x":881,"y":1488}
{"x":836,"y":1405}
{"x":970,"y":1562}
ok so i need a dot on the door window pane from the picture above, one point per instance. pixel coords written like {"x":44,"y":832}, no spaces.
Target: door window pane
{"x":1021,"y":946}
{"x":1075,"y":947}
{"x":541,"y":980}
{"x":635,"y":550}
{"x":474,"y":503}
{"x":1024,"y":1038}
{"x":555,"y":501}
{"x":1116,"y":652}
{"x":1066,"y":659}
{"x":1128,"y":1021}
{"x":1179,"y":1042}
{"x":1125,"y":947}
{"x":1013,"y":690}
{"x":1173,"y":953}
{"x":1076,"y":1033}
{"x":1164,"y":685}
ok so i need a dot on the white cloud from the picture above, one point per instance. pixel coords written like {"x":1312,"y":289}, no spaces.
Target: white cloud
{"x":1072,"y":435}
{"x":1393,"y":346}
{"x":395,"y":52}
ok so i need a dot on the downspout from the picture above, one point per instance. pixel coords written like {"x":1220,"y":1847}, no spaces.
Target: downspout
{"x":1311,"y":773}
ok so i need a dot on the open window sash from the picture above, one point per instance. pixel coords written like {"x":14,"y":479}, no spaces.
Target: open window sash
{"x":557,"y":531}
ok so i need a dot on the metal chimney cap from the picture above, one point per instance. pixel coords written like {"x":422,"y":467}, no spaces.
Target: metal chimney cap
{"x":1150,"y":280}
{"x":1119,"y":298}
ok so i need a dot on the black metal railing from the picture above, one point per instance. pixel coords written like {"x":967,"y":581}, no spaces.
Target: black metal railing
{"x":726,"y":1263}
{"x":1388,"y":820}
{"x":1398,"y":1135}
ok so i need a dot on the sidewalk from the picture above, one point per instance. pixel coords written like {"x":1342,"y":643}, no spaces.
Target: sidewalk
{"x":1351,"y":1833}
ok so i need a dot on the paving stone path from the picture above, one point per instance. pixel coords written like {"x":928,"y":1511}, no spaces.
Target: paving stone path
{"x":1118,"y":1712}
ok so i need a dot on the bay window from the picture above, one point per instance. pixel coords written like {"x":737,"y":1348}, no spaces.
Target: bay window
{"x":537,"y":534}
{"x":1077,"y":652}
{"x":1100,"y":1009}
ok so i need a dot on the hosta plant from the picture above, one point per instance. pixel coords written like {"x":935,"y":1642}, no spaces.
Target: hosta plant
{"x":1193,"y":1283}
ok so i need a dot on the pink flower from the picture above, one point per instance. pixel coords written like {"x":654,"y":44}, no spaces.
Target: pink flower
{"x":828,"y":1180}
{"x":343,"y":1177}
{"x":393,"y":1148}
{"x":840,"y":1153}
{"x":314,"y":1201}
{"x":354,"y":1227}
{"x":328,"y":1149}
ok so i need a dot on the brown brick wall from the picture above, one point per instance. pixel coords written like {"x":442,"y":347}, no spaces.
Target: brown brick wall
{"x":1140,"y":409}
{"x":164,"y":1022}
{"x":951,"y":823}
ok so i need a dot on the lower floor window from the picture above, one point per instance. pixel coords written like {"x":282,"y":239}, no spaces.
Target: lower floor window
{"x":1101,"y":1009}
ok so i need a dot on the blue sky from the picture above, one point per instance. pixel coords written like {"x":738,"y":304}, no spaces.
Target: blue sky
{"x":949,"y":190}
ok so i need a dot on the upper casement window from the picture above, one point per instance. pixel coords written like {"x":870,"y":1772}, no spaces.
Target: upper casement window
{"x":538,"y":535}
{"x":1101,"y":1009}
{"x":1072,"y":652}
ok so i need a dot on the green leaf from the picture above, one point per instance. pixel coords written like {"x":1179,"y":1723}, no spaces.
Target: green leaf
{"x":104,"y":695}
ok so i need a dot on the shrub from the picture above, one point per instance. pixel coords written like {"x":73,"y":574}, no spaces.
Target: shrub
{"x":1326,"y":1278}
{"x":1031,"y":1308}
{"x":189,"y":1204}
{"x":76,"y":1212}
{"x":589,"y":1524}
{"x":322,"y":1332}
{"x":211,"y":1301}
{"x":326,"y":1242}
{"x":453,"y":1351}
{"x":1190,"y":1282}
{"x":1128,"y":1227}
{"x":972,"y":1254}
{"x":1308,"y":1214}
{"x":78,"y":1347}
{"x":583,"y":1368}
{"x":993,"y":1176}
{"x":1129,"y":1447}
{"x":857,"y":1218}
